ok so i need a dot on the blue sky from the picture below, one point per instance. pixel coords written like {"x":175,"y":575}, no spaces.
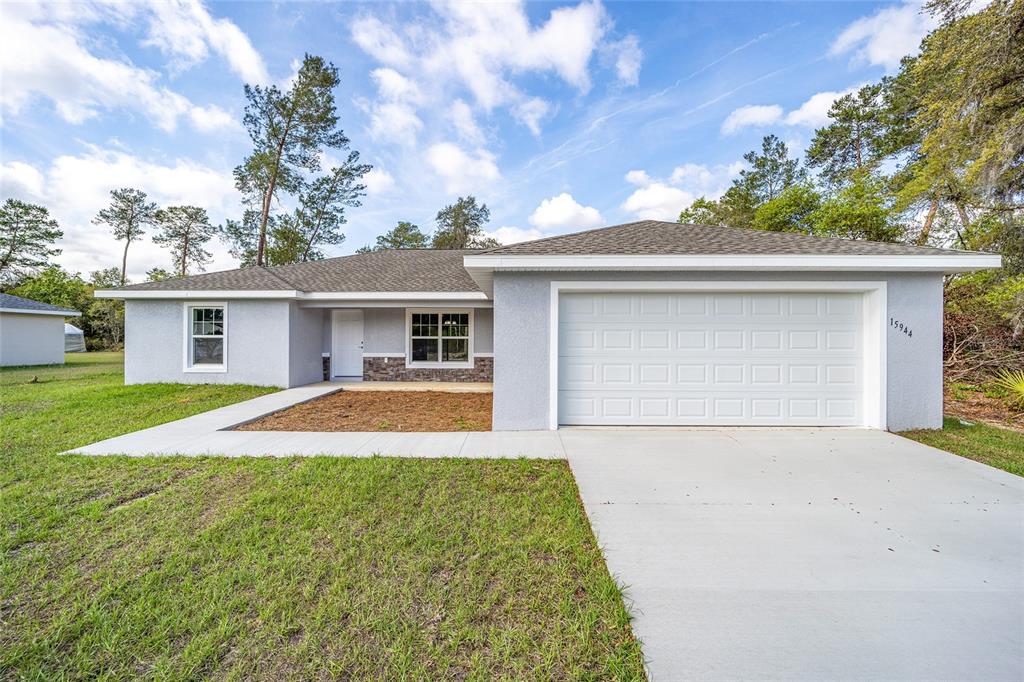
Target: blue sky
{"x":559,"y":116}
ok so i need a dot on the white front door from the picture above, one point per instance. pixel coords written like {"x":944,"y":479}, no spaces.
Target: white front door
{"x":771,"y":358}
{"x":347,"y":343}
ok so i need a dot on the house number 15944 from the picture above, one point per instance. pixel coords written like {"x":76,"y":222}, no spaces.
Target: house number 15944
{"x":893,"y":322}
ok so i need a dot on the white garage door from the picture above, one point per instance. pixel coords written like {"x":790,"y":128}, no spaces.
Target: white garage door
{"x":710,"y":358}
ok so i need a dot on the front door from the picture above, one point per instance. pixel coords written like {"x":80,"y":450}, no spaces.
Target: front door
{"x":347,"y":343}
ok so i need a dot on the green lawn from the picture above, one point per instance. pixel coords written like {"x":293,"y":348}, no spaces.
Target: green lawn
{"x":1000,"y":448}
{"x":185,"y":568}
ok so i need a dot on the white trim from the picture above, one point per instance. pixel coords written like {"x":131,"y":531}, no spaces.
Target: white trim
{"x":292,"y":294}
{"x":197,"y":294}
{"x":946,"y":263}
{"x":366,"y":303}
{"x":399,"y":354}
{"x":393,"y":295}
{"x":482,"y":268}
{"x":25,"y":311}
{"x":483,"y":355}
{"x":187,"y":341}
{"x":874,"y":320}
{"x":438,"y":365}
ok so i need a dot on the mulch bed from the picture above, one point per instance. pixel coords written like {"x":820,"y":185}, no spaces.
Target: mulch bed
{"x":383,"y":411}
{"x":976,"y":406}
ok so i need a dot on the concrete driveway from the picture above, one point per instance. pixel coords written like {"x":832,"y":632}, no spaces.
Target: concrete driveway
{"x":808,"y":554}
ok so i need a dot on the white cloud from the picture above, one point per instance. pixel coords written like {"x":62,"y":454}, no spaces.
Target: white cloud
{"x":212,"y":118}
{"x":483,"y":47}
{"x":754,"y":115}
{"x":50,"y":61}
{"x":563,"y":211}
{"x":461,"y":116}
{"x":74,"y":188}
{"x":393,"y":115}
{"x":460,"y":171}
{"x":185,"y":30}
{"x":886,"y":36}
{"x":638,"y":177}
{"x":20,"y":180}
{"x":379,"y":41}
{"x":628,"y":59}
{"x":394,"y":122}
{"x":701,"y":180}
{"x":378,"y":181}
{"x":395,"y":87}
{"x":513,"y":235}
{"x":657,"y":199}
{"x":814,"y":112}
{"x":529,"y":112}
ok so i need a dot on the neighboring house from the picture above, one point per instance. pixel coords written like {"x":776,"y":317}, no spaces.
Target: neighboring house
{"x":648,"y":323}
{"x":74,"y":339}
{"x":31,"y":333}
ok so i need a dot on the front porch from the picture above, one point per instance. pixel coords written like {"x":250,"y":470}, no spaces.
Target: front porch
{"x":401,"y":344}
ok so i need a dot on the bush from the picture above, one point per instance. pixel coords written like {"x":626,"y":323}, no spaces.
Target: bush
{"x":983,"y":332}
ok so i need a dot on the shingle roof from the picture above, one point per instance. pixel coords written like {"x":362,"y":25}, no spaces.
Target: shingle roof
{"x":11,"y":302}
{"x":657,"y":238}
{"x":391,"y":270}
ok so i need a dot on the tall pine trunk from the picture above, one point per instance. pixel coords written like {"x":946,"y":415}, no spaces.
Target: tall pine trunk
{"x":124,"y":261}
{"x":184,"y":255}
{"x":926,"y":229}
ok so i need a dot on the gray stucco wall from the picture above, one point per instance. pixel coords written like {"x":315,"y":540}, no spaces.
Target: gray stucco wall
{"x":384,"y":330}
{"x":306,"y":327}
{"x":521,"y":333}
{"x":270,"y":343}
{"x":258,"y":340}
{"x":31,"y":339}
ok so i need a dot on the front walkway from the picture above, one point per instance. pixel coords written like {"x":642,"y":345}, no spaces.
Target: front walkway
{"x":204,"y":434}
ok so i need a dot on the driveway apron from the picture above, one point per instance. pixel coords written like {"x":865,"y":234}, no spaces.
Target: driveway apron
{"x":808,"y":554}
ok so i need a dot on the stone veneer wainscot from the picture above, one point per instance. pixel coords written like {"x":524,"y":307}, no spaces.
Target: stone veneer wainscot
{"x":394,"y":369}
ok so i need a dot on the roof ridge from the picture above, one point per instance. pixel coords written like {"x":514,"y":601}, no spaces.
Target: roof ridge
{"x":571,"y":234}
{"x":740,"y":232}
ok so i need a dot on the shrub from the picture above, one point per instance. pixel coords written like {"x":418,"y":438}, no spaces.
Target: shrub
{"x":982,"y":333}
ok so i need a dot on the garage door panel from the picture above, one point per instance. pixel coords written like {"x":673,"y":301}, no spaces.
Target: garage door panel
{"x":711,"y":358}
{"x":658,"y":409}
{"x":752,"y":374}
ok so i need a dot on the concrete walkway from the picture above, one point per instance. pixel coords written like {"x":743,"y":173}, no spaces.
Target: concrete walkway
{"x":204,"y":434}
{"x":808,"y":554}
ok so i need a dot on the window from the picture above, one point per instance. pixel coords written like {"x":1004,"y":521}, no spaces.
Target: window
{"x":439,"y":338}
{"x":206,"y":349}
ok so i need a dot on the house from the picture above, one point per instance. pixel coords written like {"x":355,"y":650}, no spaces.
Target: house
{"x":74,"y":339}
{"x":31,"y":333}
{"x":647,"y":323}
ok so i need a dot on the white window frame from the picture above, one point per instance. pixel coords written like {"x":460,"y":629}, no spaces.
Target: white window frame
{"x":187,"y":365}
{"x":467,"y":364}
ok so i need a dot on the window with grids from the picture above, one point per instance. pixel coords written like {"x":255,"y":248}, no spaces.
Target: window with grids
{"x":440,"y":337}
{"x":206,"y":336}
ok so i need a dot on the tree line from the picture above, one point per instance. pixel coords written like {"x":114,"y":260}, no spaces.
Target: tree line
{"x":932,"y":155}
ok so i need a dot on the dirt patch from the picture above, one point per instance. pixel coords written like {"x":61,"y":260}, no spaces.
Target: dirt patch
{"x":975,"y":405}
{"x":383,"y":411}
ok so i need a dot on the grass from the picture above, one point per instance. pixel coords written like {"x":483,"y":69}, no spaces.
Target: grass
{"x":187,"y":568}
{"x":1000,"y":448}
